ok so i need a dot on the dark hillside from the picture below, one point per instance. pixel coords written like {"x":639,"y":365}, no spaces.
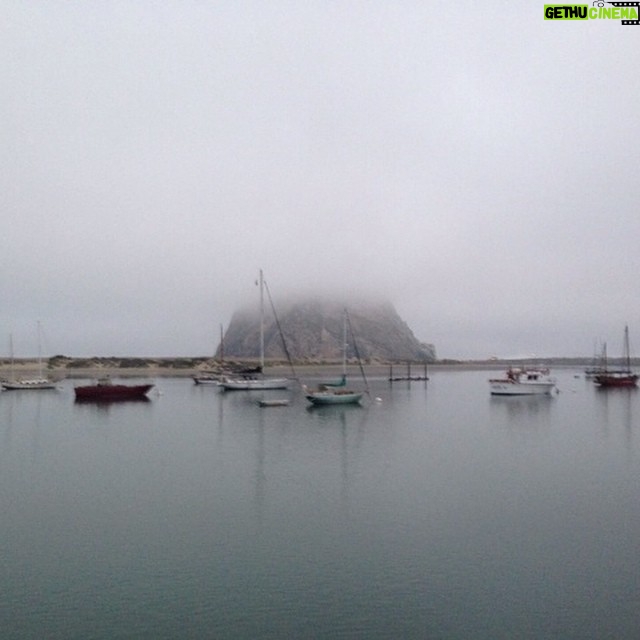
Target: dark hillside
{"x":313,"y":330}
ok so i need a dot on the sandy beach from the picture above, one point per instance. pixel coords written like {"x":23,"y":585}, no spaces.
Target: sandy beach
{"x":76,"y":368}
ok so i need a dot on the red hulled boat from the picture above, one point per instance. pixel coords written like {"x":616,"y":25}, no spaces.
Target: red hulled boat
{"x":624,"y":377}
{"x":104,"y":389}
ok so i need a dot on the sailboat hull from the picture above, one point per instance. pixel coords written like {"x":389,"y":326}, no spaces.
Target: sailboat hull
{"x":35,"y":385}
{"x":614,"y":379}
{"x":239,"y":384}
{"x":211,"y":380}
{"x":333,"y":397}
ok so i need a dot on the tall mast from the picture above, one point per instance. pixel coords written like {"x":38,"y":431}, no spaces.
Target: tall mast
{"x":626,"y":347}
{"x":11,"y":353}
{"x":261,"y":321}
{"x":39,"y":352}
{"x":344,"y":343}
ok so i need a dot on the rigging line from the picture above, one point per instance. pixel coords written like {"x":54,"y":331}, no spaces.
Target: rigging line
{"x":284,"y":342}
{"x":355,"y":348}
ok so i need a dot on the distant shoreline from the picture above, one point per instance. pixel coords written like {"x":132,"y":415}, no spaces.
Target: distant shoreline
{"x":60,"y":367}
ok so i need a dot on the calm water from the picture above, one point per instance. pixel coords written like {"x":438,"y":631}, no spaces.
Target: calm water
{"x":438,"y":513}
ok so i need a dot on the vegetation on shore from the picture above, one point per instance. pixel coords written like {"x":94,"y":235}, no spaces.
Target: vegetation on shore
{"x":68,"y":364}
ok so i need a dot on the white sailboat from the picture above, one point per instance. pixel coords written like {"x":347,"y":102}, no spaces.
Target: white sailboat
{"x":255,"y":381}
{"x":28,"y":383}
{"x":335,"y":393}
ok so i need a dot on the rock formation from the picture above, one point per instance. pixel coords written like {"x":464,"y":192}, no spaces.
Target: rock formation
{"x":313,"y":331}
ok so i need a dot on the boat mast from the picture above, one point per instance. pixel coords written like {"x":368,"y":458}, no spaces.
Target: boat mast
{"x":12,"y":372}
{"x":355,"y":348}
{"x":39,"y":352}
{"x":626,"y":347}
{"x":261,"y":321}
{"x":344,"y":343}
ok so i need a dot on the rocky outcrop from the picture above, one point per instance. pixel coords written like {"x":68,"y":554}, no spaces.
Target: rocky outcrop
{"x":313,"y":331}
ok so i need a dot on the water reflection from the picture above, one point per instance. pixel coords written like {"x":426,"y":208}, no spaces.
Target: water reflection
{"x":332,"y":411}
{"x":7,"y":420}
{"x":105,"y":407}
{"x":349,"y":422}
{"x":616,"y":408}
{"x":260,"y":476}
{"x":402,"y":519}
{"x":107,"y":402}
{"x":23,"y":432}
{"x":517,"y":407}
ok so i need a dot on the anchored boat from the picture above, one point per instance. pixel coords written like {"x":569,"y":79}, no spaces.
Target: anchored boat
{"x":523,"y":382}
{"x":337,"y":392}
{"x":255,"y":381}
{"x":623,"y":377}
{"x":38,"y":383}
{"x":105,"y":390}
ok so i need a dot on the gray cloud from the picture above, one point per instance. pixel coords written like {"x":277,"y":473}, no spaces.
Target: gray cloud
{"x":473,"y":165}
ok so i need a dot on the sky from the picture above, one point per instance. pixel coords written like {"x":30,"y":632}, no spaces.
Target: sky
{"x":472,"y":163}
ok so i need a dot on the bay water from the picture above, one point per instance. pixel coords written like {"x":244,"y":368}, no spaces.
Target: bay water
{"x":435,"y":512}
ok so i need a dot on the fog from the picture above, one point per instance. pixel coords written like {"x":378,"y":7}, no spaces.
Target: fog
{"x":474,"y":164}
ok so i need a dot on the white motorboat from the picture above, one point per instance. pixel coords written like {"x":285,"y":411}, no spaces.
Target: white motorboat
{"x":523,"y":382}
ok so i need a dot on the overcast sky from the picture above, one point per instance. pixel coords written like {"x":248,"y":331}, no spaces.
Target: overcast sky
{"x":470,"y":162}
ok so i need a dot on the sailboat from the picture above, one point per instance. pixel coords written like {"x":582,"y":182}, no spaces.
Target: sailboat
{"x":335,"y":392}
{"x":623,"y":377}
{"x":28,"y":383}
{"x":254,"y":380}
{"x":597,"y":363}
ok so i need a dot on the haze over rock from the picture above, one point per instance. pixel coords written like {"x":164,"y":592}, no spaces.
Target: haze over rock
{"x":313,"y":330}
